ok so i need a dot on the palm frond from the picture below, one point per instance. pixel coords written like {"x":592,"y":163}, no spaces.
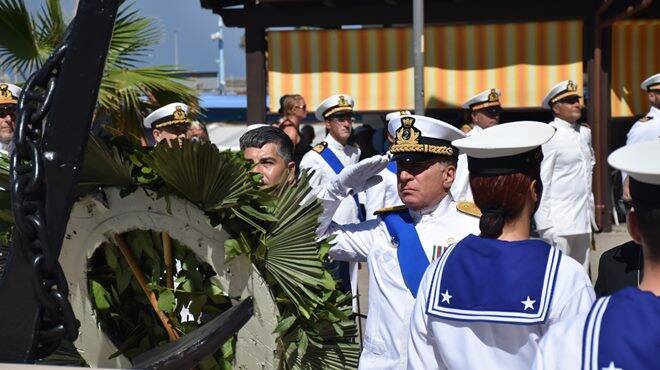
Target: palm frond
{"x":201,"y":173}
{"x":51,"y":25}
{"x":20,"y":48}
{"x":104,"y":166}
{"x":132,"y":38}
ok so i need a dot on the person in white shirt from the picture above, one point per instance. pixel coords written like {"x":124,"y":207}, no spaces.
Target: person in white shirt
{"x":8,"y":102}
{"x":325,"y":161}
{"x":565,"y":217}
{"x":648,"y":127}
{"x":489,"y":299}
{"x":384,"y":193}
{"x":484,"y":111}
{"x":622,"y":331}
{"x":401,"y":243}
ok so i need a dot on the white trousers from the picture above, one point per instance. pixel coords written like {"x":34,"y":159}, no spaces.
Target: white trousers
{"x":578,"y":247}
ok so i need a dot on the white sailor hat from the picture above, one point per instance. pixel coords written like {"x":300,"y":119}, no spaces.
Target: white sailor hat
{"x":417,"y":138}
{"x":652,"y":83}
{"x":9,"y":93}
{"x":485,"y":99}
{"x":171,"y":114}
{"x":340,"y":103}
{"x":640,"y":162}
{"x":392,"y":115}
{"x":506,"y":148}
{"x":560,"y":91}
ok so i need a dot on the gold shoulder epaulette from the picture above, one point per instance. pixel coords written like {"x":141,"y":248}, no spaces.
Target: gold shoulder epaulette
{"x":390,"y":209}
{"x":468,"y":208}
{"x":320,"y":147}
{"x":646,"y":119}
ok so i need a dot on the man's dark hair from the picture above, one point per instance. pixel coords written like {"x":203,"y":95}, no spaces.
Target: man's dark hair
{"x":261,"y":136}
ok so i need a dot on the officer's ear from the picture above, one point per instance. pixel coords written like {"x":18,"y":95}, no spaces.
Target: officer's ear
{"x":633,"y":226}
{"x":157,"y":134}
{"x":555,"y":108}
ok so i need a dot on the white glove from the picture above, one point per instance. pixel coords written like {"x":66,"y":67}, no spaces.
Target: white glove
{"x":551,"y":237}
{"x":359,"y":176}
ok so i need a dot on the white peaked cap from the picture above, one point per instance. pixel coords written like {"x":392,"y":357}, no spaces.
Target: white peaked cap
{"x":168,"y":115}
{"x":652,"y":82}
{"x":334,"y":104}
{"x":506,"y":139}
{"x":560,"y":91}
{"x":639,"y":161}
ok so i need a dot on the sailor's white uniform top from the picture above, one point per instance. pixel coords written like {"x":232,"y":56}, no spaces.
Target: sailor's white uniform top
{"x":622,"y":331}
{"x":323,"y":173}
{"x":486,"y":303}
{"x":384,"y":193}
{"x":567,"y":202}
{"x":390,"y":300}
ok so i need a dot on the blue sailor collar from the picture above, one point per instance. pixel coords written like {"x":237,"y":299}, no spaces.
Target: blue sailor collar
{"x":491,"y":280}
{"x":622,"y":331}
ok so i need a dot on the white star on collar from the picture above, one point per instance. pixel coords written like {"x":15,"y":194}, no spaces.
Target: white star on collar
{"x":446,"y":296}
{"x":612,"y":367}
{"x":529,"y":303}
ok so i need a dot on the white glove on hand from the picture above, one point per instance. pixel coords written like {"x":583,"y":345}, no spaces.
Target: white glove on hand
{"x":359,"y":176}
{"x":551,"y":237}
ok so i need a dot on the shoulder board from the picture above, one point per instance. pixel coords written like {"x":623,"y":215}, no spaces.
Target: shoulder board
{"x":468,"y":208}
{"x":320,"y":147}
{"x":390,"y":209}
{"x":645,"y":119}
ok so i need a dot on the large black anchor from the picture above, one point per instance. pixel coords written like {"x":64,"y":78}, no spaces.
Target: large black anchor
{"x":55,"y":112}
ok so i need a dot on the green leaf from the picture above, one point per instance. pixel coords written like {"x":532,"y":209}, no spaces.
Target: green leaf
{"x":124,"y":277}
{"x":284,"y":325}
{"x":100,"y":295}
{"x":166,"y":301}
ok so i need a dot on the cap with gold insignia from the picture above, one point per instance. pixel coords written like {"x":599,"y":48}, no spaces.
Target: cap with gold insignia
{"x":9,"y":93}
{"x":640,"y":162}
{"x":340,"y":103}
{"x":652,"y":83}
{"x":506,"y":148}
{"x":171,"y":114}
{"x":560,"y":91}
{"x":392,"y":115}
{"x":485,"y":99}
{"x":418,"y":138}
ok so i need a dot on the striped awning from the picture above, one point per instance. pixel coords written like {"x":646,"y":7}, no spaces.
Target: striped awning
{"x":635,"y":56}
{"x":375,"y":66}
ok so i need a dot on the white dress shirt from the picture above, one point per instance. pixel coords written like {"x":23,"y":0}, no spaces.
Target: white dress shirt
{"x":567,"y":203}
{"x":323,"y":173}
{"x":383,"y":194}
{"x":646,"y":128}
{"x":436,"y":343}
{"x":390,"y":301}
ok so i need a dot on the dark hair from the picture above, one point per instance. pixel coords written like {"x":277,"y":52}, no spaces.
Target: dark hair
{"x":502,"y":198}
{"x":261,"y":136}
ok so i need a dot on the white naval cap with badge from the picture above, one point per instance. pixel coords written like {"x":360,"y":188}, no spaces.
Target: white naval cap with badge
{"x":9,"y":93}
{"x":560,"y":91}
{"x":419,"y":138}
{"x":336,"y":104}
{"x":640,"y":162}
{"x":392,"y":115}
{"x":171,"y":114}
{"x":505,"y":149}
{"x":652,"y":83}
{"x":485,"y":99}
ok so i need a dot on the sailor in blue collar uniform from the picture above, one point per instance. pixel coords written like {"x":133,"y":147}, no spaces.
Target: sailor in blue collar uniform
{"x":622,"y":331}
{"x":385,"y":193}
{"x":489,"y":299}
{"x":401,"y":243}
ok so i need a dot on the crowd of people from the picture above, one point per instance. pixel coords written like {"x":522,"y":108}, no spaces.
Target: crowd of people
{"x":476,"y":239}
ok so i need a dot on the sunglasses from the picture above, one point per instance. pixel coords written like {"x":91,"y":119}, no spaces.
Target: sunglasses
{"x":570,"y":100}
{"x":342,"y":119}
{"x":303,"y":107}
{"x":491,"y":112}
{"x":8,"y":112}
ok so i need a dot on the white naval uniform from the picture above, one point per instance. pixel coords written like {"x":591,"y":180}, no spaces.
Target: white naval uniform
{"x":438,"y":343}
{"x":567,"y":202}
{"x":390,"y":301}
{"x":384,"y":194}
{"x":460,"y":189}
{"x":646,"y":128}
{"x":620,"y":332}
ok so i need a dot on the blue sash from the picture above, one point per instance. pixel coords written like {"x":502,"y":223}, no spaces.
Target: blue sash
{"x":331,"y":159}
{"x":410,"y":253}
{"x":392,"y":167}
{"x":622,"y":331}
{"x":489,"y":280}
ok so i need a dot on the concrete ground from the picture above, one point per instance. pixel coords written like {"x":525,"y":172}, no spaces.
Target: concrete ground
{"x":604,"y":242}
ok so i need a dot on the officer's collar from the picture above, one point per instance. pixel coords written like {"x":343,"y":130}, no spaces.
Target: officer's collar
{"x":334,"y":144}
{"x":561,"y":122}
{"x":654,"y":112}
{"x":436,"y":209}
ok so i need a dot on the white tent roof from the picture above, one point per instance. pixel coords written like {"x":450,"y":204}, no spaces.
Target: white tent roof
{"x":225,"y":136}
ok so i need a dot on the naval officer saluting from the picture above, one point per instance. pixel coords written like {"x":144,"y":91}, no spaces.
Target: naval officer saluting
{"x":622,"y":331}
{"x":401,"y":243}
{"x":488,"y":300}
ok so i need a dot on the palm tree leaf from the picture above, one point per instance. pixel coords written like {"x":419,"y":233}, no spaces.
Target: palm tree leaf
{"x":105,"y":166}
{"x":19,"y":45}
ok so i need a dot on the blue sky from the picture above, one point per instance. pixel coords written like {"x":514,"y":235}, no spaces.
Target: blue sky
{"x":194,"y":25}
